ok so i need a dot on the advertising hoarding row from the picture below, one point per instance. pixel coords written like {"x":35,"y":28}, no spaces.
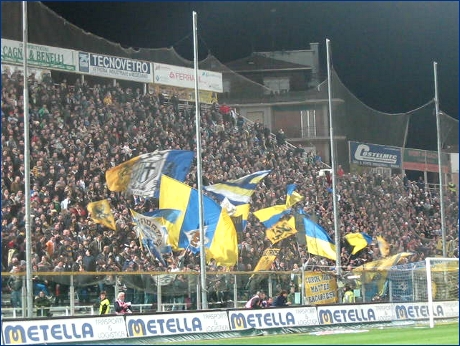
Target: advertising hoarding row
{"x":97,"y":328}
{"x":107,"y":66}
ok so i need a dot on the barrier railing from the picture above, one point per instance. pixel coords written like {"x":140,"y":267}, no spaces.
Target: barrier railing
{"x":77,"y":293}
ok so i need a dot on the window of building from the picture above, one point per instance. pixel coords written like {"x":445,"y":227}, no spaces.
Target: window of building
{"x":280,"y":85}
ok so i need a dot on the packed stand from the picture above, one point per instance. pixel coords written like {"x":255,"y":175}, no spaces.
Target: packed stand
{"x":78,"y":132}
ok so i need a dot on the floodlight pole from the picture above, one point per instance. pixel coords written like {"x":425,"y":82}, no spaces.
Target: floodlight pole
{"x":441,"y":180}
{"x":204,"y":291}
{"x":28,"y":236}
{"x":334,"y":183}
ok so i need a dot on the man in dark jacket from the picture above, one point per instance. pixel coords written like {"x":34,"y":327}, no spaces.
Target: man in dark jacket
{"x":281,"y":299}
{"x":42,"y":303}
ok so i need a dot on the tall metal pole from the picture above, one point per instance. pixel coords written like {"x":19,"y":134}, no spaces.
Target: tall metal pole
{"x":441,"y":180}
{"x":29,"y":284}
{"x":204,"y":292}
{"x":334,"y":184}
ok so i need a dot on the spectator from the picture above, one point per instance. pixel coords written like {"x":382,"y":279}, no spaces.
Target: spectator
{"x":15,"y":286}
{"x":280,"y":137}
{"x":103,"y":304}
{"x":43,"y":303}
{"x":256,"y":301}
{"x":121,"y":307}
{"x":281,"y":299}
{"x":268,"y":302}
{"x":348,"y":296}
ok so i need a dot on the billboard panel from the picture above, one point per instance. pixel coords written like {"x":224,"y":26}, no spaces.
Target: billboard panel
{"x":39,"y":56}
{"x":375,"y":155}
{"x":115,"y":67}
{"x":184,"y":77}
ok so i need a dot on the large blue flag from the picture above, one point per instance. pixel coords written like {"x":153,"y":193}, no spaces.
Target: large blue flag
{"x":238,"y":191}
{"x":220,"y":239}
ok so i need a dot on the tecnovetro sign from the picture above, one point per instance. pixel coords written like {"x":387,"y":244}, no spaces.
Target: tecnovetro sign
{"x":375,"y":155}
{"x":115,"y":67}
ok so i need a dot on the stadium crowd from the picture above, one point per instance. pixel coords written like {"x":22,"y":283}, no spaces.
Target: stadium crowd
{"x":79,"y":131}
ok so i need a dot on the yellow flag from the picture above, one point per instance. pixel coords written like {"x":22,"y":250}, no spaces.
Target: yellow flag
{"x":378,"y":270}
{"x":224,"y":246}
{"x":101,"y":213}
{"x":281,"y":230}
{"x":174,"y":195}
{"x":118,"y":177}
{"x":267,"y":259}
{"x":384,"y":247}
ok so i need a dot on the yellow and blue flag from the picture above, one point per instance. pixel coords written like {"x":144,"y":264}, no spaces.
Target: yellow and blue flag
{"x":101,"y":213}
{"x":292,"y":197}
{"x":220,"y":234}
{"x":318,"y":241}
{"x":281,"y":230}
{"x":238,"y":191}
{"x":358,"y":241}
{"x":271,"y":215}
{"x":140,"y":175}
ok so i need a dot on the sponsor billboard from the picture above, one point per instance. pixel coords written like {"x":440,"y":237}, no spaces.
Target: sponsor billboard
{"x":115,"y":67}
{"x":39,"y":56}
{"x":375,"y":155}
{"x":52,"y":331}
{"x":354,"y":314}
{"x":184,"y":77}
{"x":424,"y":160}
{"x":173,"y":324}
{"x":419,"y":311}
{"x":272,"y":318}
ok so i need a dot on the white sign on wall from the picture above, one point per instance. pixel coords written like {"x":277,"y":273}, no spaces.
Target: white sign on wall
{"x":39,"y":55}
{"x":184,"y":77}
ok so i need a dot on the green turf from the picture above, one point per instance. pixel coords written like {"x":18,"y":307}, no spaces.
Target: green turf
{"x":444,"y":334}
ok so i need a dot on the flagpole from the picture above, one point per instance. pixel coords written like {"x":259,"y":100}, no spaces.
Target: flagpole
{"x":334,"y":184}
{"x":441,"y":180}
{"x":29,"y":285}
{"x":204,"y":292}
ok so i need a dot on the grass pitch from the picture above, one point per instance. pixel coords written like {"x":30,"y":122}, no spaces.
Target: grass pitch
{"x":442,"y":334}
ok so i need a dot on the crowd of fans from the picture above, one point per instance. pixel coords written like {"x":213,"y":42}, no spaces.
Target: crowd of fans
{"x":79,"y":131}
